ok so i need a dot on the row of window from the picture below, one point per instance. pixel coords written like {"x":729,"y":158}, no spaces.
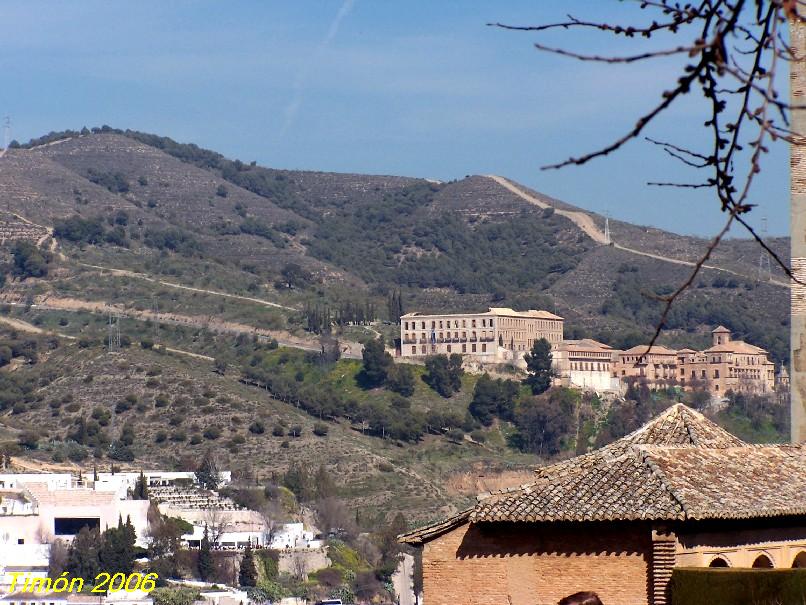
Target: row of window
{"x":449,"y":348}
{"x":446,"y":323}
{"x":594,"y":366}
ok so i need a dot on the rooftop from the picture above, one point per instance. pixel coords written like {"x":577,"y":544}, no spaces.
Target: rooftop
{"x":678,"y":466}
{"x":736,"y":346}
{"x":655,"y":350}
{"x":492,"y":311}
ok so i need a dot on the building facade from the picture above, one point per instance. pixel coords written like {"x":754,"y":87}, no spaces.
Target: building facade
{"x":586,"y":364}
{"x":678,"y":492}
{"x":495,"y":336}
{"x":727,"y":365}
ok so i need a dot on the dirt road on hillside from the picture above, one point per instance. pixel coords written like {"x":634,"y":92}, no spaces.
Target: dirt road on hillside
{"x":54,"y":303}
{"x":168,"y":284}
{"x":586,"y":223}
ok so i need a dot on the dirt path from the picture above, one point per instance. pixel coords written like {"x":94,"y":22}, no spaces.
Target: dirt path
{"x":24,"y":326}
{"x":54,"y":303}
{"x":585,"y":222}
{"x":181,"y":352}
{"x":168,"y":284}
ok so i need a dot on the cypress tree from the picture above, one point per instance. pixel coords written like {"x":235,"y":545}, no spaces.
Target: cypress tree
{"x":247,"y":574}
{"x":141,"y":488}
{"x":205,"y":557}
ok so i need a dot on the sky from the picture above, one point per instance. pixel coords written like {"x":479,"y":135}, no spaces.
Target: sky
{"x":416,"y":88}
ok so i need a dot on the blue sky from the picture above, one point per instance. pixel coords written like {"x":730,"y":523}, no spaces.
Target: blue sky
{"x":417,"y":88}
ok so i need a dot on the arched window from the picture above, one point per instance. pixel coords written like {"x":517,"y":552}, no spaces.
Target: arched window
{"x":718,"y":562}
{"x":762,"y":562}
{"x":800,"y":560}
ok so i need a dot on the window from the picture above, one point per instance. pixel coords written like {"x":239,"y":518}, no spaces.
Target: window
{"x":70,"y":526}
{"x":20,"y":540}
{"x":422,"y":349}
{"x":483,"y":348}
{"x":449,"y":348}
{"x":473,"y":348}
{"x":414,"y":350}
{"x":716,"y":373}
{"x":464,"y":348}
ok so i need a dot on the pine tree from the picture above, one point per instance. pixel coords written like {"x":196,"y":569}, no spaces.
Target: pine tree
{"x":205,"y":557}
{"x":247,"y":574}
{"x":83,"y":554}
{"x":538,"y":366}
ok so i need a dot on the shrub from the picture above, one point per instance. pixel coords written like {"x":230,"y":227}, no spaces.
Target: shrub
{"x":320,"y":429}
{"x":28,"y":440}
{"x":212,"y":433}
{"x":257,"y":428}
{"x":455,"y":435}
{"x":160,"y":437}
{"x":278,"y":431}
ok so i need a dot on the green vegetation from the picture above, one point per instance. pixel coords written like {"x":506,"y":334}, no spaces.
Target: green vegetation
{"x":444,"y":374}
{"x":30,"y":260}
{"x":728,"y":586}
{"x":115,"y":182}
{"x":401,"y":240}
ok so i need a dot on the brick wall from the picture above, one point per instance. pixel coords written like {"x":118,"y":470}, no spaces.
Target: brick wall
{"x":536,"y":564}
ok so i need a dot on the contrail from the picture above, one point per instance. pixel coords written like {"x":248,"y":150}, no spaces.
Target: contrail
{"x":291,"y":110}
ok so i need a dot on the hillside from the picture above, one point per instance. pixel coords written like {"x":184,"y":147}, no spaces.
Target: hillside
{"x":457,"y":245}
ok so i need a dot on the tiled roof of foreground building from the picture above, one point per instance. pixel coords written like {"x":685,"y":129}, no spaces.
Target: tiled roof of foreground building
{"x":678,"y":466}
{"x":653,"y":482}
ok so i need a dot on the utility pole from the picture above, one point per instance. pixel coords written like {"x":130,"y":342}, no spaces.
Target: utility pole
{"x":114,"y":333}
{"x":797,"y":184}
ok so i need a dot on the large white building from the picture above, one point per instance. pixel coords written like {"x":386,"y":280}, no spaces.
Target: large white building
{"x":498,"y":335}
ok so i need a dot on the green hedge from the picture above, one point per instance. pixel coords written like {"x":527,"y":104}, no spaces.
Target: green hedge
{"x":698,"y":586}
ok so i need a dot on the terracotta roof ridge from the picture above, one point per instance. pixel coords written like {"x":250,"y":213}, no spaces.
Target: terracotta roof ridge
{"x":643,"y":453}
